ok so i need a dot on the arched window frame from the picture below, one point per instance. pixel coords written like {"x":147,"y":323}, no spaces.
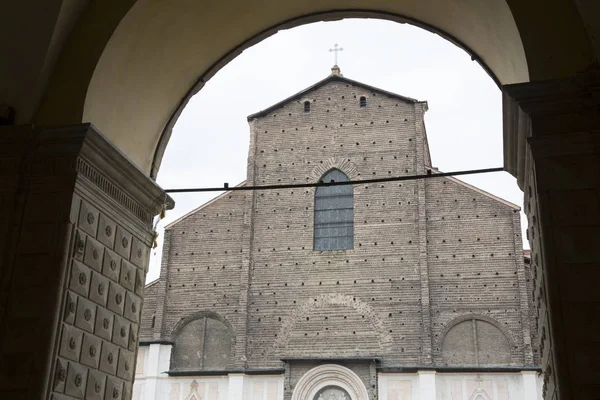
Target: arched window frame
{"x":307,"y":106}
{"x":362,"y":101}
{"x":334,"y":214}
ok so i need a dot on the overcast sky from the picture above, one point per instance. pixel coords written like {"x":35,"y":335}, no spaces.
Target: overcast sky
{"x":209,"y":145}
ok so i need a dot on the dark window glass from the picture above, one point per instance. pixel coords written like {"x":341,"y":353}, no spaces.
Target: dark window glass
{"x":334,"y":214}
{"x":363,"y":101}
{"x":307,"y":106}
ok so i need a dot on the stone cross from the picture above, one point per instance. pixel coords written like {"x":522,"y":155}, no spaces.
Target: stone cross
{"x":335,"y":51}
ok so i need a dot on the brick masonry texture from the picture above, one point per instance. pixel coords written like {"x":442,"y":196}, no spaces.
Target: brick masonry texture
{"x":426,"y":253}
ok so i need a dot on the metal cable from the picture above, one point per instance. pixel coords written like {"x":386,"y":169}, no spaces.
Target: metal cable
{"x":430,"y":174}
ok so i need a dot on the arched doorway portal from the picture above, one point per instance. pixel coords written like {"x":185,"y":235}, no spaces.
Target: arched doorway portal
{"x":101,"y":74}
{"x":330,"y":382}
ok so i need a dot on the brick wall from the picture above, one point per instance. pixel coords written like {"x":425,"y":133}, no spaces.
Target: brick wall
{"x":204,"y":265}
{"x":425,"y":252}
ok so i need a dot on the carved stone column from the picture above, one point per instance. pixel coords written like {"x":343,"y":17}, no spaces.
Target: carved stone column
{"x":75,"y":234}
{"x":552,"y":145}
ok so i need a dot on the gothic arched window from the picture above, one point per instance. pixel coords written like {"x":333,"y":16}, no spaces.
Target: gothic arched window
{"x":307,"y":106}
{"x":334,"y":214}
{"x":363,"y":101}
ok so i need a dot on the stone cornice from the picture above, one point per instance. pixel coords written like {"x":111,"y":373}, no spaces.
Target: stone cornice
{"x":106,"y":168}
{"x":546,"y":108}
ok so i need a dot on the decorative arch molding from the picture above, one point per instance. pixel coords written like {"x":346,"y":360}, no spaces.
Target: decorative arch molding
{"x":469,"y":317}
{"x":306,"y":308}
{"x":343,"y":164}
{"x":329,"y":375}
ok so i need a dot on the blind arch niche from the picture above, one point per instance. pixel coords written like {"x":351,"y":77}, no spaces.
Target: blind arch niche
{"x":334,"y":214}
{"x":202,"y":343}
{"x":476,"y":342}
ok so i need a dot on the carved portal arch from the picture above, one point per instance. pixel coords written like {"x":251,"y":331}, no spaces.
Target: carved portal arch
{"x":330,"y":376}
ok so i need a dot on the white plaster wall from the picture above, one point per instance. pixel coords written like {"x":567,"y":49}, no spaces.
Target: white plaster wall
{"x":152,"y":382}
{"x":398,"y":386}
{"x":449,"y":386}
{"x":187,"y":388}
{"x":269,"y":387}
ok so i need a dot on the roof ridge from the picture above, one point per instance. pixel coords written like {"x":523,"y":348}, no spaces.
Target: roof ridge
{"x":200,"y":207}
{"x":322,"y":82}
{"x":478,"y":190}
{"x":152,"y":282}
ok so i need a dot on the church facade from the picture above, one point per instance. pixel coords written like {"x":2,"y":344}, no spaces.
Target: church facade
{"x":396,"y":290}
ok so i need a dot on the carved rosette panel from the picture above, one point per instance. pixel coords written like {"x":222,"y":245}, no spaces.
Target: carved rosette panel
{"x":102,"y":306}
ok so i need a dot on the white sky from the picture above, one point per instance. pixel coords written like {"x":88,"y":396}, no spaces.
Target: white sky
{"x":209,"y":145}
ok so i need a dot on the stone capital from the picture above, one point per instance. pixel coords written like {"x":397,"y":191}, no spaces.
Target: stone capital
{"x":548,"y":108}
{"x":91,"y":156}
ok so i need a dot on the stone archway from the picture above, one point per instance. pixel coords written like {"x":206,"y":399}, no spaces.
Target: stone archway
{"x":330,"y":375}
{"x":106,"y":64}
{"x":135,"y":93}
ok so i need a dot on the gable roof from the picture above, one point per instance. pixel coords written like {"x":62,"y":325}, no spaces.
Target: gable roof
{"x":195,"y":210}
{"x":152,"y":283}
{"x":330,"y":78}
{"x":480,"y":191}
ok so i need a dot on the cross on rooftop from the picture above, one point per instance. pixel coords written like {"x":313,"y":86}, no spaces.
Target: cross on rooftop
{"x":335,"y":51}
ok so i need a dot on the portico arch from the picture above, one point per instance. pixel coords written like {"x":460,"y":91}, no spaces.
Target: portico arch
{"x":130,"y":66}
{"x":133,"y":77}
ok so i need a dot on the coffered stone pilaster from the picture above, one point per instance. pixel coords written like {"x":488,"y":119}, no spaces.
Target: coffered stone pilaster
{"x":552,"y":146}
{"x":75,"y":243}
